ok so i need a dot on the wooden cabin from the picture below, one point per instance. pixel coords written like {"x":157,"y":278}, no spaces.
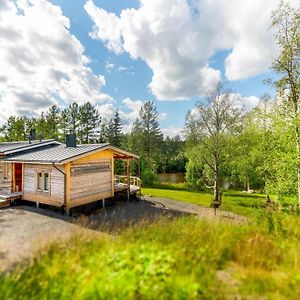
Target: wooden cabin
{"x":65,"y":175}
{"x":9,"y":179}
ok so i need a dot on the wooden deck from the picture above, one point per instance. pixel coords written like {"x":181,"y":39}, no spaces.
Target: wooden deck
{"x":11,"y":196}
{"x":119,"y":187}
{"x":120,"y":184}
{"x":5,"y":199}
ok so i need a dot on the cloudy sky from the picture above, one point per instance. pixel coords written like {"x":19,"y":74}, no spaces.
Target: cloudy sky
{"x":123,"y":53}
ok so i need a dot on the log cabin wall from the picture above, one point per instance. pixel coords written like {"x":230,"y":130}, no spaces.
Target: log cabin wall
{"x":55,"y":194}
{"x":5,"y":178}
{"x":91,"y":178}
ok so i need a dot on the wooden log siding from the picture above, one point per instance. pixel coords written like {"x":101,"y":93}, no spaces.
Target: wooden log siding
{"x":90,"y":181}
{"x":55,"y":196}
{"x":6,"y":183}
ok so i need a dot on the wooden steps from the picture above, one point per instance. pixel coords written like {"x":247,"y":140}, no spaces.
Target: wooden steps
{"x":4,"y":203}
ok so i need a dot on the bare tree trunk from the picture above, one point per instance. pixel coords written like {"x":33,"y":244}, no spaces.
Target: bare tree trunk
{"x":216,"y":182}
{"x":248,"y":184}
{"x":298,"y":160}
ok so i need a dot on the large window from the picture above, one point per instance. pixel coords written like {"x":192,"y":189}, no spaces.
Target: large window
{"x":42,"y":182}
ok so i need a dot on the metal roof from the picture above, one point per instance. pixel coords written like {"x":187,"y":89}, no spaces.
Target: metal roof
{"x":63,"y":154}
{"x":13,"y":147}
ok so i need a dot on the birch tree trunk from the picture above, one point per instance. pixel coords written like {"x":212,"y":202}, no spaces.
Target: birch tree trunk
{"x":298,"y":160}
{"x":216,"y":182}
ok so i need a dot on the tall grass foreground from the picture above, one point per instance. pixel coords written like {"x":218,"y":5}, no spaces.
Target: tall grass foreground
{"x":184,"y":258}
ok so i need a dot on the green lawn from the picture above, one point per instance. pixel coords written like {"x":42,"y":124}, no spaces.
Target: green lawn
{"x":237,"y":202}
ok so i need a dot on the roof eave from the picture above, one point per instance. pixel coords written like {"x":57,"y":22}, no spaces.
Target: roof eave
{"x":30,"y":146}
{"x":40,"y":162}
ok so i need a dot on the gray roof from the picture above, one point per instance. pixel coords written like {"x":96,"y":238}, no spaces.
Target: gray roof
{"x":55,"y":154}
{"x":13,"y":147}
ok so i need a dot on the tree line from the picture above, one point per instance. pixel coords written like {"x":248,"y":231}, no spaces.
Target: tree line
{"x":145,"y":138}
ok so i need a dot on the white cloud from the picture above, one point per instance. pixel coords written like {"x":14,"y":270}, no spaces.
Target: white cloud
{"x":162,"y":117}
{"x":111,"y":35}
{"x":106,"y":111}
{"x":172,"y":131}
{"x":251,"y":102}
{"x":177,"y":39}
{"x":133,"y":107}
{"x":109,"y":66}
{"x":41,"y":62}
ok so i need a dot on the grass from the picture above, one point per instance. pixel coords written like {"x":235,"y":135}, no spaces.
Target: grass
{"x":183,"y":258}
{"x":237,"y":202}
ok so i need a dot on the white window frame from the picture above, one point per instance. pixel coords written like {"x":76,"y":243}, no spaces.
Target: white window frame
{"x":42,"y":188}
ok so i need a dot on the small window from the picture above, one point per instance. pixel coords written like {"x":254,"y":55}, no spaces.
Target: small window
{"x":43,"y":182}
{"x":46,"y":182}
{"x":39,"y":181}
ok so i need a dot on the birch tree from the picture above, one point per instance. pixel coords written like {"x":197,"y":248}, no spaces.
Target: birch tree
{"x":209,"y":127}
{"x":286,"y":22}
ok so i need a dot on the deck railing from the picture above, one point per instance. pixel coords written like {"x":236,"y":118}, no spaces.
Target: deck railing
{"x":123,"y":179}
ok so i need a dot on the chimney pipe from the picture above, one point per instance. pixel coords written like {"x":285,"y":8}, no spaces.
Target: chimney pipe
{"x":32,"y":134}
{"x":71,"y":139}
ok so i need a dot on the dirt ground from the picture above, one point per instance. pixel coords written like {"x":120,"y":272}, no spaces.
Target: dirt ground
{"x":25,"y":229}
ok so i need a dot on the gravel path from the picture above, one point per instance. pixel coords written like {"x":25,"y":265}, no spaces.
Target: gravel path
{"x":24,"y":230}
{"x":201,"y":211}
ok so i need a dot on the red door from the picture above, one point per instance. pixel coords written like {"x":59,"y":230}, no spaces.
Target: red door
{"x":18,"y":177}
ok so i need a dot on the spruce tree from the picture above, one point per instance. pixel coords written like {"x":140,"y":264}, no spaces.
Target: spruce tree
{"x":89,"y":119}
{"x":52,"y":119}
{"x":146,"y":138}
{"x":117,"y":129}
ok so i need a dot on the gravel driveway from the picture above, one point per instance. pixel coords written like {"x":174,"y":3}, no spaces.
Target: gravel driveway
{"x":24,"y":230}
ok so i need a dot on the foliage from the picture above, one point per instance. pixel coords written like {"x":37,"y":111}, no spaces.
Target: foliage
{"x":286,"y":22}
{"x":171,"y":156}
{"x":209,"y":129}
{"x":146,"y":138}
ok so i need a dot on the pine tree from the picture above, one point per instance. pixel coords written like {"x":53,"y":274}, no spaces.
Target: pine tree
{"x":73,"y":117}
{"x":15,"y":129}
{"x":117,"y":130}
{"x":104,"y":132}
{"x":146,"y":138}
{"x":42,"y":128}
{"x":89,"y":119}
{"x":52,"y":119}
{"x":150,"y":129}
{"x":63,"y":124}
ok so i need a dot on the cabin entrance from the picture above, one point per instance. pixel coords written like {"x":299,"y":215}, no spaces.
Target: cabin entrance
{"x":18,"y":177}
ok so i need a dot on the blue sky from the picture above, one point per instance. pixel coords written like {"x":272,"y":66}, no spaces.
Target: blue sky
{"x":121,"y":84}
{"x":159,"y":50}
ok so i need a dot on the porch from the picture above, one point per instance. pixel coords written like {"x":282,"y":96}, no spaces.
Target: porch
{"x":121,"y":183}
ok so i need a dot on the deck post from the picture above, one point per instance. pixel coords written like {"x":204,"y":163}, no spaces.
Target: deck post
{"x":67,"y":188}
{"x":37,"y":204}
{"x":103,"y":203}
